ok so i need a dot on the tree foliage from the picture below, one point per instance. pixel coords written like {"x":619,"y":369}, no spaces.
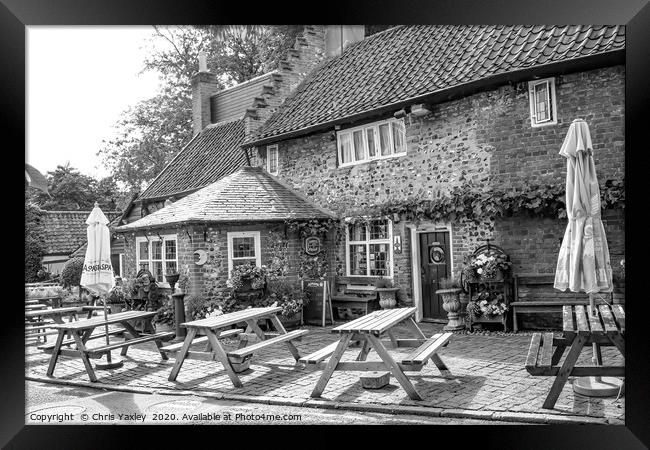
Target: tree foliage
{"x":153,"y":131}
{"x":71,"y":273}
{"x":71,"y":190}
{"x":34,"y":241}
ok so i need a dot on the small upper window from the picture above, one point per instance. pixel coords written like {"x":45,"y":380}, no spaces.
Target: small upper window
{"x":372,"y":141}
{"x":542,"y":102}
{"x":272,"y":159}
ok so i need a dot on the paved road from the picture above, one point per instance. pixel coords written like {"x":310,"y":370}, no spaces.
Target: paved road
{"x":53,"y":404}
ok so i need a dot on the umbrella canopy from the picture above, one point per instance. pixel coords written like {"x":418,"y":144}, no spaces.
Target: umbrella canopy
{"x":97,"y":274}
{"x":583,"y":263}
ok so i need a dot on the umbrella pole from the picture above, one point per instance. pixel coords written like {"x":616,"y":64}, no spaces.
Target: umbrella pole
{"x":109,"y":364}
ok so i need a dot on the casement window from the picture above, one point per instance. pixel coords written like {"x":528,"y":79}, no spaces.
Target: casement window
{"x":244,"y":248}
{"x":541,"y":95}
{"x":272,"y":162}
{"x":368,"y":248}
{"x":157,"y":254}
{"x":377,"y":140}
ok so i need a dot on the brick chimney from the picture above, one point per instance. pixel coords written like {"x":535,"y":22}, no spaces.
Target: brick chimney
{"x":337,"y":37}
{"x":204,"y":84}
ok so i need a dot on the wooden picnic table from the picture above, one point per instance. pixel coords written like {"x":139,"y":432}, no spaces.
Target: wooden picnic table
{"x":580,"y":327}
{"x":369,"y":329}
{"x":82,"y":331}
{"x":214,"y":328}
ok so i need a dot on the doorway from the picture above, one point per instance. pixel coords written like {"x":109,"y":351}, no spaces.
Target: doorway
{"x":435,"y":264}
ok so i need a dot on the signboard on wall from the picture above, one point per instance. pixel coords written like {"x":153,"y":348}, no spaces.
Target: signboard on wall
{"x":312,"y":245}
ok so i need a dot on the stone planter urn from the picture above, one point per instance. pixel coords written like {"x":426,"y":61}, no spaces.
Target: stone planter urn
{"x":451,"y":304}
{"x":387,"y":298}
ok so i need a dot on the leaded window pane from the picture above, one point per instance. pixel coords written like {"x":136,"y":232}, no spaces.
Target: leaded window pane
{"x":156,"y":250}
{"x":144,"y":250}
{"x":378,"y":259}
{"x":358,"y":232}
{"x":170,"y":249}
{"x":243,"y":247}
{"x":378,"y":229}
{"x":358,"y":260}
{"x":158,"y":270}
{"x":541,"y":102}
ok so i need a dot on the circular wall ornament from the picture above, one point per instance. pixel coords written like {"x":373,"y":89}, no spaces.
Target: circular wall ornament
{"x":436,"y":255}
{"x":200,"y":257}
{"x":312,"y":245}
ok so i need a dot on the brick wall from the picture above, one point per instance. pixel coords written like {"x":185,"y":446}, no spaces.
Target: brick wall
{"x":214,"y":239}
{"x":483,"y":138}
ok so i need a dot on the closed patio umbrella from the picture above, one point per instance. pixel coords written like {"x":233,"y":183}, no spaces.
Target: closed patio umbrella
{"x":583,"y":263}
{"x":97,"y":274}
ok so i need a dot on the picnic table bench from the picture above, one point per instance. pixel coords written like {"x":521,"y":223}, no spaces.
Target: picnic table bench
{"x":604,"y":328}
{"x":82,"y":330}
{"x":215,"y":328}
{"x":369,"y":329}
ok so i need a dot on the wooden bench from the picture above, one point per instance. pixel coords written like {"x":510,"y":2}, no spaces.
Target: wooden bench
{"x":97,"y":352}
{"x":534,"y":293}
{"x":421,"y":355}
{"x":202,"y":340}
{"x":242,"y":354}
{"x":319,"y":355}
{"x":353,"y":293}
{"x":66,"y":342}
{"x":539,"y":360}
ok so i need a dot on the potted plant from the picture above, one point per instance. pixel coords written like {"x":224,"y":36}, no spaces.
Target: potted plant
{"x":488,"y":306}
{"x":247,"y":276}
{"x":290,"y":298}
{"x":116,"y":298}
{"x":487,"y":266}
{"x":386,"y":290}
{"x":183,"y":283}
{"x":172,"y":277}
{"x":164,"y":318}
{"x":450,"y":292}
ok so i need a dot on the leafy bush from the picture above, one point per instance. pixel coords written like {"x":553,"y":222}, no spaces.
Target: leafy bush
{"x":247,"y":272}
{"x":71,"y":273}
{"x":166,"y":313}
{"x":287,"y":295}
{"x":201,"y":307}
{"x":34,"y":242}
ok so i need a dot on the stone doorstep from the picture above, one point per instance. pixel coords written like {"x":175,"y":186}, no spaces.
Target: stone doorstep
{"x":515,"y":417}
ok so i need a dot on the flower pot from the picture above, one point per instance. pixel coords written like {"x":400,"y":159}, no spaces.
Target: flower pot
{"x":387,"y":298}
{"x":498,"y":276}
{"x":451,"y":304}
{"x":172,"y":280}
{"x":291,"y":321}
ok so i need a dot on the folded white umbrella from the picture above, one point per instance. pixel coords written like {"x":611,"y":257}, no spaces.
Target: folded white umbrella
{"x":97,"y":274}
{"x":583,"y":264}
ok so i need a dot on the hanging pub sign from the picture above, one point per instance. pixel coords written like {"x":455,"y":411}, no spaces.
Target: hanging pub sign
{"x":312,"y":245}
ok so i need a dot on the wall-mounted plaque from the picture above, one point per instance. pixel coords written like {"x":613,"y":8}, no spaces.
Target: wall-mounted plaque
{"x":312,"y":245}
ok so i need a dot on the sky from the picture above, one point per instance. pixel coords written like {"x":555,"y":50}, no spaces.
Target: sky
{"x":79,"y":81}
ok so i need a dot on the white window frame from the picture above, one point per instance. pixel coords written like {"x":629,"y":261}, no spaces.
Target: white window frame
{"x":552,"y":120}
{"x":268,"y":159}
{"x":258,"y":247}
{"x":150,"y":240}
{"x":366,"y":156}
{"x":367,"y":242}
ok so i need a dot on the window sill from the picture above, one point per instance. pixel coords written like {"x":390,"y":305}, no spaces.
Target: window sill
{"x":366,"y":161}
{"x":543,"y":124}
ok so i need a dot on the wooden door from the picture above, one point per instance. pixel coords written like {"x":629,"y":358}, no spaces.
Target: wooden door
{"x":435,"y":264}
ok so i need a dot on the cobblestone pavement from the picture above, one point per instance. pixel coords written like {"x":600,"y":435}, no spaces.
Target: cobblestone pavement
{"x":487,"y":379}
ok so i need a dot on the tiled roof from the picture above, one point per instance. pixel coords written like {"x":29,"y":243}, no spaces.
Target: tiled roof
{"x":65,"y":231}
{"x":213,"y":153}
{"x":407,"y":62}
{"x":249,"y":195}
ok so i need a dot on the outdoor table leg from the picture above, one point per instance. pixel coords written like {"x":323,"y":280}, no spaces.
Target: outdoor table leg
{"x":279,"y":327}
{"x":221,"y":356}
{"x":565,"y":370}
{"x":414,"y":327}
{"x":392,"y":338}
{"x":394,"y":368}
{"x":82,"y":352}
{"x":180,"y":356}
{"x":365,"y":349}
{"x":331,"y":365}
{"x":619,"y":342}
{"x":131,"y":329}
{"x":55,"y":352}
{"x":252,"y":324}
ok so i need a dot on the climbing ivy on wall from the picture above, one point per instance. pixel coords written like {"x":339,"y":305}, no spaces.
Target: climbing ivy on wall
{"x":278,"y":262}
{"x":476,"y":202}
